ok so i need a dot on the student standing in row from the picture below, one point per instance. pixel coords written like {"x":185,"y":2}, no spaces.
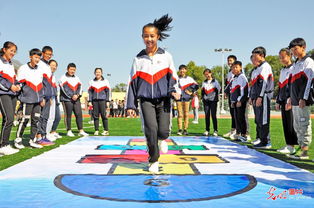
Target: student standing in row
{"x":98,"y":96}
{"x":261,"y":91}
{"x":188,"y":86}
{"x":281,"y":103}
{"x":70,"y":93}
{"x":31,"y":97}
{"x":238,"y":98}
{"x":54,"y":113}
{"x":152,"y":80}
{"x":9,"y":88}
{"x":302,"y":76}
{"x":210,"y":93}
{"x":230,"y":60}
{"x":47,"y":53}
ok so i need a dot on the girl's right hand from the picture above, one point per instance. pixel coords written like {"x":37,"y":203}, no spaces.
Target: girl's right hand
{"x":90,"y":104}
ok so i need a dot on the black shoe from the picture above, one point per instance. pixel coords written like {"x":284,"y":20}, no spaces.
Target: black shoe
{"x":261,"y":145}
{"x":185,"y":132}
{"x":179,"y":132}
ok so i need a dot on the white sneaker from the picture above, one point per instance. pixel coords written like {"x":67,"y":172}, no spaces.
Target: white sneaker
{"x":195,"y":122}
{"x":58,"y":136}
{"x":18,"y":143}
{"x":105,"y":133}
{"x":229,"y":133}
{"x":96,"y":133}
{"x":8,"y":150}
{"x":248,"y":138}
{"x":206,"y":133}
{"x":256,"y":141}
{"x":163,"y":146}
{"x":286,"y":150}
{"x":82,"y":133}
{"x":51,"y":137}
{"x":154,"y":167}
{"x":70,"y":134}
{"x":234,"y":137}
{"x":215,"y":133}
{"x":32,"y":143}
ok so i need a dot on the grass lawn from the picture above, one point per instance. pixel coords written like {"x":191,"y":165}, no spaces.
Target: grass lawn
{"x":132,"y":127}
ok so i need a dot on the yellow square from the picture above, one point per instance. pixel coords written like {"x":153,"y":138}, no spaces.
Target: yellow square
{"x":141,"y":168}
{"x":187,"y":159}
{"x":144,"y":143}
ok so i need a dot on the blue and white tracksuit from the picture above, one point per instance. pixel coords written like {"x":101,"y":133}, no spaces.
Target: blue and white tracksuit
{"x":70,"y":86}
{"x":152,"y":80}
{"x":48,"y":89}
{"x":227,"y":91}
{"x":262,"y":85}
{"x":301,"y":81}
{"x":187,"y":84}
{"x":99,"y":94}
{"x":7,"y":99}
{"x":282,"y":97}
{"x":210,"y":93}
{"x":239,"y":93}
{"x":32,"y":93}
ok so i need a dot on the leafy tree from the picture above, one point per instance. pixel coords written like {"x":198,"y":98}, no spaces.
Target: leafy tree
{"x":120,"y":88}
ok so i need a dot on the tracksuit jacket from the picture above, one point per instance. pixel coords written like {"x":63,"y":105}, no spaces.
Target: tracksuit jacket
{"x":99,"y":90}
{"x":283,"y":84}
{"x":210,"y":90}
{"x":32,"y":84}
{"x":187,"y":83}
{"x":239,"y":88}
{"x":7,"y":77}
{"x":301,"y":81}
{"x":69,"y":86}
{"x":47,"y":78}
{"x":261,"y":81}
{"x":151,"y":77}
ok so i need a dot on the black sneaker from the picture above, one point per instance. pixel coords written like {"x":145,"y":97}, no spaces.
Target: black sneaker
{"x":261,"y":145}
{"x":179,"y":132}
{"x":185,"y":132}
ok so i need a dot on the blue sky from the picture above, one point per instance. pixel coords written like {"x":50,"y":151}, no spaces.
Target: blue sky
{"x":107,"y":33}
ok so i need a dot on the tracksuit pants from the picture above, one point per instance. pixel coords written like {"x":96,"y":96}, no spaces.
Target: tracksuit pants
{"x":29,"y":111}
{"x":57,"y":118}
{"x":302,"y":125}
{"x":232,"y":113}
{"x":262,"y":119}
{"x":7,"y":107}
{"x":52,"y":113}
{"x":287,"y":123}
{"x":241,"y":125}
{"x":210,"y":108}
{"x":156,"y":116}
{"x":99,"y":107}
{"x":44,"y":116}
{"x":69,"y":107}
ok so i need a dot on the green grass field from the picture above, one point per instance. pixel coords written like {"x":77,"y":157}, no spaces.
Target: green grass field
{"x":132,"y":127}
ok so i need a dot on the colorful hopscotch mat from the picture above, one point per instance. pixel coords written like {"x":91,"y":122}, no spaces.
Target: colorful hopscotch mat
{"x":196,"y":172}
